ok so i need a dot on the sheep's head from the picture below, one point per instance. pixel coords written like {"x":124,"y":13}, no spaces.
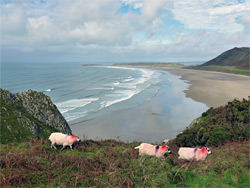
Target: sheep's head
{"x":76,"y":138}
{"x":168,"y":150}
{"x":208,"y":151}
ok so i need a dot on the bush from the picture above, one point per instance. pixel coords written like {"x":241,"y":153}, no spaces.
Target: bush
{"x":218,"y":136}
{"x":217,"y":126}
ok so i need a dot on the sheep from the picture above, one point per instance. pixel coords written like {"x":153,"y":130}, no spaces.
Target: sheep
{"x":152,"y":150}
{"x":193,"y":153}
{"x":166,"y":141}
{"x":63,"y":139}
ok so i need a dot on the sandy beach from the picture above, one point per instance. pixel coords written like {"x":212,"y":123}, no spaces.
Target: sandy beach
{"x":212,"y":88}
{"x":176,"y":105}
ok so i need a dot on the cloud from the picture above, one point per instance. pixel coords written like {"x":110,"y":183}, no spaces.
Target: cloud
{"x":13,"y":20}
{"x":210,"y":14}
{"x":95,"y":30}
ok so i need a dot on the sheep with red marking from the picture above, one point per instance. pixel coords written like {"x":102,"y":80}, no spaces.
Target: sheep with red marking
{"x":63,"y":139}
{"x":188,"y":154}
{"x":152,"y":150}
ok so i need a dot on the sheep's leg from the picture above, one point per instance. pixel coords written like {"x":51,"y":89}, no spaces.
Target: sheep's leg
{"x":71,"y":147}
{"x":53,"y":145}
{"x":63,"y":147}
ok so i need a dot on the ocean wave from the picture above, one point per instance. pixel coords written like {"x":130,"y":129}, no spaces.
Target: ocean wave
{"x":75,"y":115}
{"x":130,"y":86}
{"x":120,"y":88}
{"x":70,"y":105}
{"x":117,"y":97}
{"x":116,"y":83}
{"x":101,"y":88}
{"x":128,"y":79}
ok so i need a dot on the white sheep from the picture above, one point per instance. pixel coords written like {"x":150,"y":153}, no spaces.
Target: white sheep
{"x":152,"y":150}
{"x":166,"y":141}
{"x":63,"y":139}
{"x":193,"y":153}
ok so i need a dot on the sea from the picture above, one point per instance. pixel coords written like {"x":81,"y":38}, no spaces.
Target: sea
{"x":109,"y":102}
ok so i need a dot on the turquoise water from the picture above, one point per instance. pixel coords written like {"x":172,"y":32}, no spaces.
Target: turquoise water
{"x":107,"y":101}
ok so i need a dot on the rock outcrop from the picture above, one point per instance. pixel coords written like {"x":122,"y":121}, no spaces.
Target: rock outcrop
{"x":29,"y":114}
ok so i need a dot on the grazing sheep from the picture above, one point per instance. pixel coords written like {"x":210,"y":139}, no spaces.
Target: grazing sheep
{"x":148,"y":149}
{"x":166,"y":141}
{"x":63,"y":139}
{"x":193,"y":153}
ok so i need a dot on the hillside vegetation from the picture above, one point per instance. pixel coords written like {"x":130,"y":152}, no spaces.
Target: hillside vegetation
{"x":29,"y":114}
{"x":111,"y":163}
{"x":151,"y":65}
{"x":218,"y":126}
{"x":236,"y":61}
{"x":238,"y":57}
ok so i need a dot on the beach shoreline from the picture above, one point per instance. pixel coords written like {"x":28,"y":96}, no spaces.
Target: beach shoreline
{"x":163,"y":115}
{"x":185,"y":98}
{"x":213,"y":88}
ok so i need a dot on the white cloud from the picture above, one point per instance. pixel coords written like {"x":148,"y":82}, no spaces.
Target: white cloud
{"x":13,"y":20}
{"x":229,"y":9}
{"x":210,"y":14}
{"x":93,"y":30}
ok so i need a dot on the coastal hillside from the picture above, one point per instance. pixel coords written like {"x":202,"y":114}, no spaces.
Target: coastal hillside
{"x":238,"y":57}
{"x":218,"y":126}
{"x":236,"y":60}
{"x":29,"y":114}
{"x":111,"y":163}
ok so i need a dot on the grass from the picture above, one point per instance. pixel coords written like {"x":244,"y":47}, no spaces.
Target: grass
{"x":153,"y":65}
{"x":218,"y":68}
{"x":111,"y":163}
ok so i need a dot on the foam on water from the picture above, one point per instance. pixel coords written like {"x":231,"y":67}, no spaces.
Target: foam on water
{"x":80,"y":91}
{"x":73,"y":104}
{"x":118,"y":90}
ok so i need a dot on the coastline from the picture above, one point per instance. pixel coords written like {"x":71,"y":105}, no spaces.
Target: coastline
{"x":213,"y":88}
{"x":190,"y":93}
{"x":162,"y":116}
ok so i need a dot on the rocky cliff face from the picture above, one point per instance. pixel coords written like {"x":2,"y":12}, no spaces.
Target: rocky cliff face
{"x":29,"y":114}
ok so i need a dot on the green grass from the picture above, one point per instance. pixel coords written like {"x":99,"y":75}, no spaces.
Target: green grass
{"x":16,"y":124}
{"x":152,"y":65}
{"x":110,"y":163}
{"x":226,"y":69}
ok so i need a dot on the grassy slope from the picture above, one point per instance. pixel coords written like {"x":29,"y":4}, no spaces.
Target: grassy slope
{"x":238,"y":57}
{"x":218,"y":68}
{"x":152,"y":65}
{"x":234,"y":61}
{"x":112,"y":163}
{"x":15,"y":122}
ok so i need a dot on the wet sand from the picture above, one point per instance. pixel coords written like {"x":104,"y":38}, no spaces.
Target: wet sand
{"x":162,"y":116}
{"x":212,"y":88}
{"x":170,"y":111}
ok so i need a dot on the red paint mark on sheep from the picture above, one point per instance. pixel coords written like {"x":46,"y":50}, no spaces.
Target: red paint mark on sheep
{"x":203,"y":150}
{"x":73,"y":136}
{"x":163,"y":147}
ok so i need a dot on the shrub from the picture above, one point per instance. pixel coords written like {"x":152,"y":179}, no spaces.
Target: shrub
{"x":217,"y":126}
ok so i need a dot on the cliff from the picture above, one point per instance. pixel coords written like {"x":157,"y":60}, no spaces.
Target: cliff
{"x":29,"y":114}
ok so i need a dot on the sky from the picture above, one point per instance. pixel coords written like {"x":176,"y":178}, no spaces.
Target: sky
{"x":117,"y":31}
